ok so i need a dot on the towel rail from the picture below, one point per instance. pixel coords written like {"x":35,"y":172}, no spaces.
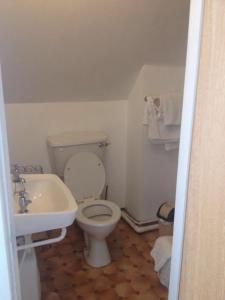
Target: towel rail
{"x":44,"y":242}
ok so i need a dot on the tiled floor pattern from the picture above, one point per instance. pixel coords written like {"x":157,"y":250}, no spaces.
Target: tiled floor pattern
{"x":66,"y":276}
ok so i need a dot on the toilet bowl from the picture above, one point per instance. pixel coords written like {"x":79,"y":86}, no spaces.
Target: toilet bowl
{"x":97,"y":218}
{"x":84,"y":174}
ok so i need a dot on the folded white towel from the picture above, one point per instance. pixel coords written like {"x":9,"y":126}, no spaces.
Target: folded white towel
{"x":158,"y":133}
{"x":171,"y":104}
{"x":162,"y":251}
{"x":167,"y":134}
{"x":172,"y":146}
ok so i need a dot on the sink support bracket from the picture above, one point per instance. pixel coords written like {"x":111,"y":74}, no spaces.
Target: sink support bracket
{"x":45,"y":242}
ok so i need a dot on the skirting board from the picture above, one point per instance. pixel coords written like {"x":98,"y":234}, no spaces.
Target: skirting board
{"x":138,"y":226}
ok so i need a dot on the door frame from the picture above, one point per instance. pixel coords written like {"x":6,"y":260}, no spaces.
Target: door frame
{"x":9,"y":274}
{"x":190,"y":87}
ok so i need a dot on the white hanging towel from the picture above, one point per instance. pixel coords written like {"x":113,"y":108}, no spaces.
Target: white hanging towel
{"x":147,"y":110}
{"x":171,"y":104}
{"x":171,"y":146}
{"x":151,"y":110}
{"x":158,"y":133}
{"x":151,"y":116}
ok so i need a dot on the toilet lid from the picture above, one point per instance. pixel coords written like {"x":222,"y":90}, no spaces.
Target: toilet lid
{"x":84,"y":174}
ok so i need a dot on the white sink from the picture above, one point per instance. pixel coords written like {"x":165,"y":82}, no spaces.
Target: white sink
{"x":53,"y":206}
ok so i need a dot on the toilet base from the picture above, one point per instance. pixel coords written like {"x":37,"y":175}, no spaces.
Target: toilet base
{"x":96,"y":252}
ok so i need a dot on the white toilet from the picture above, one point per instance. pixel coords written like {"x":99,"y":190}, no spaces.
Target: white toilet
{"x":77,"y":158}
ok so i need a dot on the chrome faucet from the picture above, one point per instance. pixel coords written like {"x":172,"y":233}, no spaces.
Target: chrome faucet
{"x":23,"y":202}
{"x":21,"y":193}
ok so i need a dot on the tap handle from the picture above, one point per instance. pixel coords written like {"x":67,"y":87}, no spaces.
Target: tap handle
{"x":14,"y":168}
{"x":22,"y":193}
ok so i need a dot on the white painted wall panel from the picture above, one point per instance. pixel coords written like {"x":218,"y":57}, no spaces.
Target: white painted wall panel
{"x":151,"y":171}
{"x":28,"y":126}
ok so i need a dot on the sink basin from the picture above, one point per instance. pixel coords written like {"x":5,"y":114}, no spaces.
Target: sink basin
{"x":53,"y":206}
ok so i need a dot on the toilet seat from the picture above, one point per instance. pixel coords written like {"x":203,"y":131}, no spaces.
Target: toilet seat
{"x":98,"y":213}
{"x":84,"y":174}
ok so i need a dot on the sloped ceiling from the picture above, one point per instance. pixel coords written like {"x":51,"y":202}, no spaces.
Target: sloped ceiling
{"x":68,"y":50}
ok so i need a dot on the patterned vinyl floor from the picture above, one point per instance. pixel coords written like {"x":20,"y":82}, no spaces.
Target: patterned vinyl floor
{"x":66,"y":276}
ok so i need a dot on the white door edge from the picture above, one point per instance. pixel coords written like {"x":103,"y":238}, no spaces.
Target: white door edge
{"x":9,"y":274}
{"x":190,"y":86}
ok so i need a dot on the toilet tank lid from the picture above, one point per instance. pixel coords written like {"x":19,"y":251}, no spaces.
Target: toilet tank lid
{"x":76,"y":138}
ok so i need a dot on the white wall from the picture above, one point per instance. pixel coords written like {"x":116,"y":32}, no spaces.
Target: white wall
{"x":86,"y":49}
{"x":151,"y":171}
{"x":28,"y":125}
